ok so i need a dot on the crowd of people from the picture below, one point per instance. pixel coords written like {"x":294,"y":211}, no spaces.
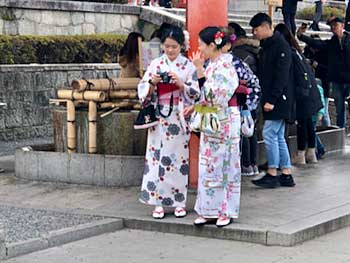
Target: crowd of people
{"x":268,"y":77}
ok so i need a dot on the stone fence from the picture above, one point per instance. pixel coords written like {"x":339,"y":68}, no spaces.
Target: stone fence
{"x":27,"y":89}
{"x":50,"y":17}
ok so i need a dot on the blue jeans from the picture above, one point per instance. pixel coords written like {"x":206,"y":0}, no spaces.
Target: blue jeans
{"x":276,"y":147}
{"x":341,"y":93}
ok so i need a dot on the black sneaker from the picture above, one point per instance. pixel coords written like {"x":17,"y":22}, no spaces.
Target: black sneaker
{"x":267,"y":181}
{"x":287,"y":180}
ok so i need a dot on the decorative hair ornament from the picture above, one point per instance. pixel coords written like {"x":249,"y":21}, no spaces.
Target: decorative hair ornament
{"x":233,"y":38}
{"x":218,"y":37}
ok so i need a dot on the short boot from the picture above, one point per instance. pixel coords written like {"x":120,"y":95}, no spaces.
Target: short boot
{"x":311,"y":155}
{"x":299,"y":158}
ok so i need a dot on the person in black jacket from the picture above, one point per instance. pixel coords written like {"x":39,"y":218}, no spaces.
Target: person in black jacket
{"x":289,"y":9}
{"x":306,"y":106}
{"x":274,"y":75}
{"x":245,"y":48}
{"x":338,"y":50}
{"x":319,"y":61}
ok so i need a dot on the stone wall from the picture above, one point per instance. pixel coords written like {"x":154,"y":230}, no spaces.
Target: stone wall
{"x":27,"y":89}
{"x":21,"y":17}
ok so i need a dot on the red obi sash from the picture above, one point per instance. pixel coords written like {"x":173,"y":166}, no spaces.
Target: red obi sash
{"x":164,"y":88}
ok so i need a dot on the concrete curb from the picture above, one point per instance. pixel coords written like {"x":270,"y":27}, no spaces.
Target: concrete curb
{"x":233,"y":232}
{"x":287,"y":235}
{"x":62,"y":236}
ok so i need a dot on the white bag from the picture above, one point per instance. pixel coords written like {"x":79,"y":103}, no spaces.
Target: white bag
{"x":247,"y":124}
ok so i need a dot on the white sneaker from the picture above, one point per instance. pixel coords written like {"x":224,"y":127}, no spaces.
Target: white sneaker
{"x":180,"y":212}
{"x":158,"y":212}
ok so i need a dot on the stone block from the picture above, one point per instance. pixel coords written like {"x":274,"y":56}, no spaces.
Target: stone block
{"x":26,"y":164}
{"x":132,"y":170}
{"x":13,"y":118}
{"x":112,"y":22}
{"x":26,"y":247}
{"x":113,"y":171}
{"x":90,"y":18}
{"x":77,"y":18}
{"x":33,"y":16}
{"x":26,"y":27}
{"x":74,"y":233}
{"x":56,"y":18}
{"x":10,"y":28}
{"x":87,"y":169}
{"x":53,"y":167}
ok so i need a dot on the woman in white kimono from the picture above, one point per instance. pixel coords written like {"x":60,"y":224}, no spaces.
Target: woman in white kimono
{"x":219,"y":181}
{"x":170,"y":83}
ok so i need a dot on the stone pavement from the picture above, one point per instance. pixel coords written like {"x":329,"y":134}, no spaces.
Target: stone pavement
{"x":135,"y":246}
{"x":284,"y":216}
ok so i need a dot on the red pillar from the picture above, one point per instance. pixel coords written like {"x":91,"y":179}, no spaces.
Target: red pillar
{"x":199,"y":14}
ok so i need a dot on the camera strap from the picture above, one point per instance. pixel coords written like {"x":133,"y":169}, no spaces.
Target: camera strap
{"x":170,"y":105}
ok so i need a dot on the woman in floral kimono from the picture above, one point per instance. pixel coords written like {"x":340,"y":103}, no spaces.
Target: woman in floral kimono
{"x":170,"y":83}
{"x":219,"y":181}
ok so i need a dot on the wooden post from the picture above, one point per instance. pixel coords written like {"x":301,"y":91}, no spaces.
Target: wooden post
{"x":200,"y":14}
{"x":71,"y":131}
{"x":92,"y":127}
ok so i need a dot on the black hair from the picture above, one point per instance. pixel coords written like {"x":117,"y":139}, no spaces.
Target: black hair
{"x":207,"y":35}
{"x":238,"y":30}
{"x":259,"y":19}
{"x":288,"y":36}
{"x":130,"y":48}
{"x":175,"y":33}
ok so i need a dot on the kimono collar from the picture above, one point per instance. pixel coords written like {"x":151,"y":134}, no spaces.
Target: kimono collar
{"x":179,"y":59}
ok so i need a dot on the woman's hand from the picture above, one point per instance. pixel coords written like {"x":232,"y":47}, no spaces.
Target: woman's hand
{"x":176,"y":80}
{"x":155,"y":79}
{"x":197,"y":59}
{"x":188,"y":111}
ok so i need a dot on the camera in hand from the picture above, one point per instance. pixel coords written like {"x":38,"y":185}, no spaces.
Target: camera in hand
{"x":165,"y":77}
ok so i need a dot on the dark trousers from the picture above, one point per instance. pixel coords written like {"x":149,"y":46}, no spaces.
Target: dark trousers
{"x":306,"y":134}
{"x":249,"y":150}
{"x":318,"y":15}
{"x":289,"y":20}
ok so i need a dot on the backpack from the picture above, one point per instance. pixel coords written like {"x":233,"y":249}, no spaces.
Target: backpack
{"x":304,"y":77}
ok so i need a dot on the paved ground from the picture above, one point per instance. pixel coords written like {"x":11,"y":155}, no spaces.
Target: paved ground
{"x":133,"y":246}
{"x":321,"y":192}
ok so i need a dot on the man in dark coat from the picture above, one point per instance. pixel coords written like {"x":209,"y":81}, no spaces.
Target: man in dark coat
{"x":289,"y":9}
{"x":338,"y":50}
{"x":274,"y":73}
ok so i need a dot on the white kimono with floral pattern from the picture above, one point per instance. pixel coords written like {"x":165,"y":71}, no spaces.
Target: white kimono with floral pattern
{"x":219,"y":182}
{"x":165,"y":177}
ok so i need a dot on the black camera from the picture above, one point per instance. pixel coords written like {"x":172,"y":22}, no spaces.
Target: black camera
{"x":165,"y":77}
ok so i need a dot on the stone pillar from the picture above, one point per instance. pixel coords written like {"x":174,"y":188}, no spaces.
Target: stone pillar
{"x":200,"y":14}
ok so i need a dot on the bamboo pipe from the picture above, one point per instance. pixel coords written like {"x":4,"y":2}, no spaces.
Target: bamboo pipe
{"x":92,"y":126}
{"x":122,"y":104}
{"x":71,"y":131}
{"x":105,"y":84}
{"x":123,"y":94}
{"x":86,"y":95}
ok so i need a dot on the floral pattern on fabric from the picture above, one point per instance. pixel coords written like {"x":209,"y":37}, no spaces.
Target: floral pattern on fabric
{"x":166,"y":169}
{"x":219,"y":182}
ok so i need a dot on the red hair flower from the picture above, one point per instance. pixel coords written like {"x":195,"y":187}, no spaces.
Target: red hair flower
{"x":218,"y":37}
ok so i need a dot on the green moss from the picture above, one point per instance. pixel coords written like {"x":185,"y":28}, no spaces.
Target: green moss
{"x":103,"y":48}
{"x":309,"y":12}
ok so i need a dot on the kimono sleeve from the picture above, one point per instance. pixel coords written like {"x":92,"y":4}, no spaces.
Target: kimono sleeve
{"x":144,"y":86}
{"x":191,"y":85}
{"x":225,"y":82}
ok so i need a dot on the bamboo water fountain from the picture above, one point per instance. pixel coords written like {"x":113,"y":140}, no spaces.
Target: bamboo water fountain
{"x":101,"y":97}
